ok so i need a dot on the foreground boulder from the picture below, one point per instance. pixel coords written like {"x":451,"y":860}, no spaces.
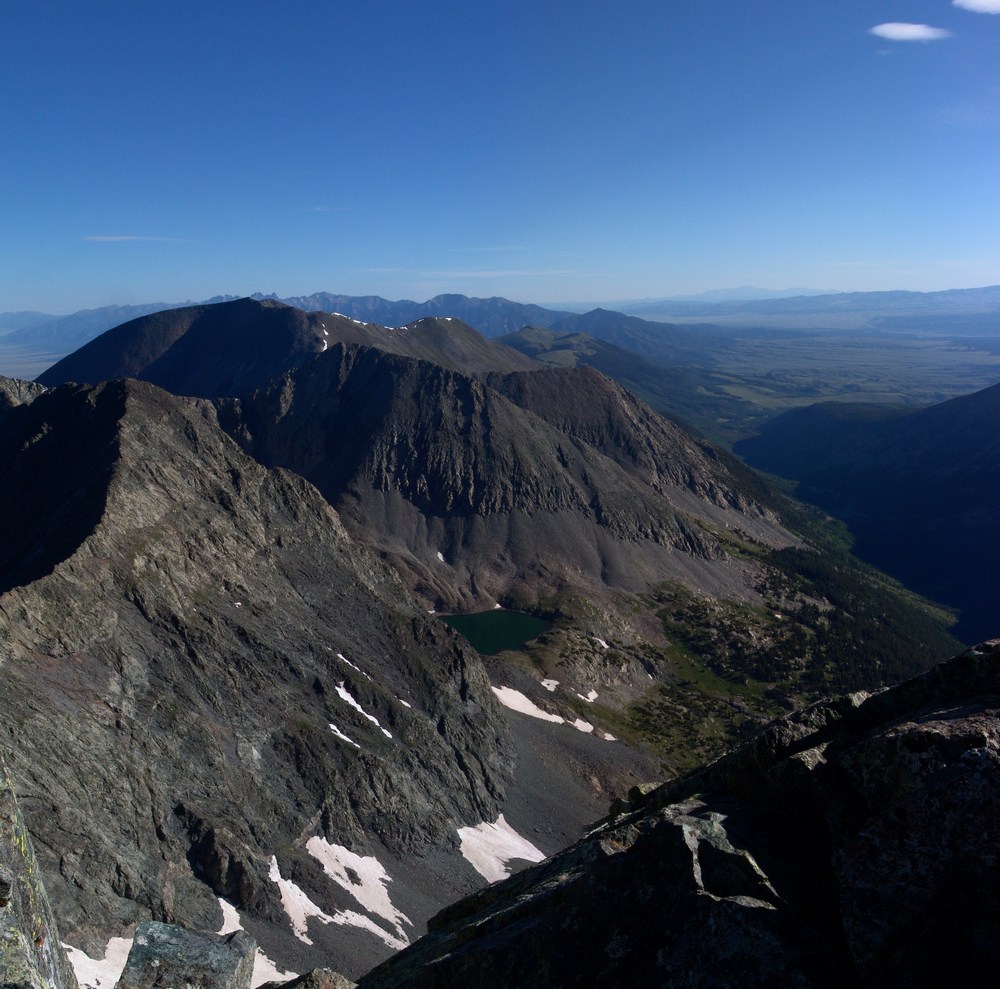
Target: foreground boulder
{"x":166,"y":955}
{"x":852,"y":844}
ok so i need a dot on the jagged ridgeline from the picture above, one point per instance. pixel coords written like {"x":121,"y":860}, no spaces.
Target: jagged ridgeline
{"x":474,"y":487}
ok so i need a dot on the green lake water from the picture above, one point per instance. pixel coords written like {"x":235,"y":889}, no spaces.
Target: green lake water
{"x":493,"y":631}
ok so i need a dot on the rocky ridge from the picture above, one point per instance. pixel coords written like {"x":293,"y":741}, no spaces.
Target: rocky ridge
{"x":203,"y":674}
{"x":30,"y":952}
{"x":231,"y":348}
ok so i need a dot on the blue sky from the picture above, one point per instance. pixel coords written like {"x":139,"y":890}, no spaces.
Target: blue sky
{"x":544,"y":151}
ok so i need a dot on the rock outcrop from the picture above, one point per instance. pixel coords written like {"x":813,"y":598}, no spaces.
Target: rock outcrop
{"x":30,"y":952}
{"x":165,"y":956}
{"x":852,"y":844}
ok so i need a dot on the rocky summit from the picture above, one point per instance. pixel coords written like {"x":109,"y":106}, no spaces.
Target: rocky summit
{"x":852,"y":844}
{"x":218,"y":709}
{"x":231,"y":348}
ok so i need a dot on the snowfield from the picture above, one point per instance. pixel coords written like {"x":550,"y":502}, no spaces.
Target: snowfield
{"x":489,"y":847}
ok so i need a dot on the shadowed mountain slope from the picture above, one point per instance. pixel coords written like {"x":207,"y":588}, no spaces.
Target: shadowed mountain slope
{"x":210,"y":691}
{"x":918,"y":490}
{"x":230,"y":348}
{"x":220,"y":349}
{"x":475,"y":497}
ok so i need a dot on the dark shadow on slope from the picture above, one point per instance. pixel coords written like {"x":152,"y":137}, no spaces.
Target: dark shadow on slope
{"x":58,"y":453}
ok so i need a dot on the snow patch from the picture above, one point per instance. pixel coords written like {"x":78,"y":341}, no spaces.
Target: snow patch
{"x":489,"y":847}
{"x":404,"y":703}
{"x":516,"y":701}
{"x":100,"y":973}
{"x":346,"y":695}
{"x":296,"y":904}
{"x":601,"y":642}
{"x":550,"y":685}
{"x":231,"y":922}
{"x":344,"y":659}
{"x":341,"y":735}
{"x":590,"y":698}
{"x":300,"y":908}
{"x":441,"y":556}
{"x":264,"y":970}
{"x":498,"y":607}
{"x":363,"y":876}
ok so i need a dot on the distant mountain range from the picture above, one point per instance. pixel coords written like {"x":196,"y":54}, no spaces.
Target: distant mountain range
{"x":64,"y":334}
{"x":745,"y":293}
{"x":497,"y":316}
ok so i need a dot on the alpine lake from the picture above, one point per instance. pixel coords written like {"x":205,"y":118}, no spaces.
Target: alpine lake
{"x":494,"y":631}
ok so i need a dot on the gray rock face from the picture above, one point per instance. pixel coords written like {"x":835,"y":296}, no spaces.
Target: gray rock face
{"x":14,"y":392}
{"x":205,"y":673}
{"x":851,"y":845}
{"x":168,"y":957}
{"x":421,"y":461}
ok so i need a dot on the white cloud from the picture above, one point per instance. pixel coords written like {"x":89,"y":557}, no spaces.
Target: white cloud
{"x":895,"y":31}
{"x":979,"y":6}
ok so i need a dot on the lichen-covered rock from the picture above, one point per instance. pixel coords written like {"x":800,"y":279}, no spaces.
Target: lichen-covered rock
{"x":169,"y":957}
{"x":31,"y":956}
